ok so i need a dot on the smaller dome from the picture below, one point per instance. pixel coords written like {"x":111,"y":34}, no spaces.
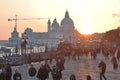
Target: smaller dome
{"x":55,"y":25}
{"x":28,"y":30}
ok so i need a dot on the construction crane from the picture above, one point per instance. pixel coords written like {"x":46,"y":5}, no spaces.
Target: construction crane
{"x":16,"y":19}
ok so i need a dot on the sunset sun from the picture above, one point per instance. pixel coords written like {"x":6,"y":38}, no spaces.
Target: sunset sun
{"x":86,"y":29}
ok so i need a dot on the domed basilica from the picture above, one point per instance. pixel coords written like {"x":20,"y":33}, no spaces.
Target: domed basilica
{"x":65,"y":32}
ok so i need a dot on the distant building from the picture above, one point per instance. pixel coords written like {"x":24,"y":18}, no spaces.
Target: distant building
{"x":15,"y":39}
{"x":3,"y":42}
{"x":65,"y":31}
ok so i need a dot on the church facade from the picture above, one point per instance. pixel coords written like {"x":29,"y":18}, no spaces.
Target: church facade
{"x":14,"y":40}
{"x":65,"y":32}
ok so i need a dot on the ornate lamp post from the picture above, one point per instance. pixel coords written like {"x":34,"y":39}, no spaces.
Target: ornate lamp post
{"x":23,"y":45}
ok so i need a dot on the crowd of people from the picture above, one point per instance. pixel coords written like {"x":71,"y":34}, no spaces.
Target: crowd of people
{"x":41,"y":74}
{"x":56,"y":70}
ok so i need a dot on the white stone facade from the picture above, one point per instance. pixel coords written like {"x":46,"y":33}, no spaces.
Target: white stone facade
{"x":51,"y":38}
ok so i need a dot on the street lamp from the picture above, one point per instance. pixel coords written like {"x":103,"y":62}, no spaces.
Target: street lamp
{"x":23,"y":44}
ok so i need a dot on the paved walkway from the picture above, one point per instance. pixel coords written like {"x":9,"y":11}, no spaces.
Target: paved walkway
{"x":86,"y":68}
{"x":81,"y":68}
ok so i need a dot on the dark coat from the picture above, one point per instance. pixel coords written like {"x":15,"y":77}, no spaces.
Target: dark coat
{"x":88,"y":77}
{"x":102,"y":67}
{"x":32,"y":71}
{"x":60,"y":64}
{"x":72,"y":77}
{"x":8,"y":72}
{"x":17,"y":76}
{"x":56,"y":74}
{"x":48,"y":69}
{"x":42,"y":73}
{"x":2,"y":76}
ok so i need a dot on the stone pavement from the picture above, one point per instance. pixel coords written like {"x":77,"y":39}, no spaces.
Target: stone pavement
{"x":81,"y":68}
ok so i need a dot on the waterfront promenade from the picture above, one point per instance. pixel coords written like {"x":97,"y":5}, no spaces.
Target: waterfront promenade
{"x":81,"y":68}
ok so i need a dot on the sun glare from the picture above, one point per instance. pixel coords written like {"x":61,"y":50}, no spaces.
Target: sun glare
{"x":86,"y":29}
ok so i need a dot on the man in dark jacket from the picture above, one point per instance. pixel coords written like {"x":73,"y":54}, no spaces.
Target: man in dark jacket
{"x":2,"y":74}
{"x":8,"y":72}
{"x":72,"y":77}
{"x":32,"y":71}
{"x":56,"y":73}
{"x":47,"y":66}
{"x":115,"y":64}
{"x":17,"y":75}
{"x":102,"y":68}
{"x":89,"y":77}
{"x":42,"y":72}
{"x":118,"y":54}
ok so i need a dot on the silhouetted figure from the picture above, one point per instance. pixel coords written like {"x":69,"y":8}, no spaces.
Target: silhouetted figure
{"x":29,"y":58}
{"x":72,"y":77}
{"x":8,"y":72}
{"x":60,"y":63}
{"x":51,"y":57}
{"x":32,"y":71}
{"x":42,"y":72}
{"x":56,"y":73}
{"x":102,"y":68}
{"x":89,"y":77}
{"x":114,"y":61}
{"x":73,"y":55}
{"x":17,"y":75}
{"x":2,"y":74}
{"x":47,"y":66}
{"x":118,"y":55}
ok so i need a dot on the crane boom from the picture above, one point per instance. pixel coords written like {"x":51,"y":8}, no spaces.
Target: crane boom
{"x":27,"y":19}
{"x":16,"y":19}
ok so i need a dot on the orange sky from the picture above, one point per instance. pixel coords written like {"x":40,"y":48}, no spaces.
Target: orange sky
{"x":89,"y":16}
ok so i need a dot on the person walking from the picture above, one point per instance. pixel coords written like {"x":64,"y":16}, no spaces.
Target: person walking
{"x":72,"y":77}
{"x":60,"y":64}
{"x":115,"y":64}
{"x":118,"y":55}
{"x":32,"y":71}
{"x":102,"y":68}
{"x":42,"y":72}
{"x":8,"y":72}
{"x":56,"y":73}
{"x":17,"y":75}
{"x":89,"y":77}
{"x":47,"y":66}
{"x":2,"y":74}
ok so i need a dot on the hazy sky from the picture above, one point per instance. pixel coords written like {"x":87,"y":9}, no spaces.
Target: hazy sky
{"x":89,"y":16}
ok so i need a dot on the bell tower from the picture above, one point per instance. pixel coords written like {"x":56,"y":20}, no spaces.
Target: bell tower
{"x":49,"y":25}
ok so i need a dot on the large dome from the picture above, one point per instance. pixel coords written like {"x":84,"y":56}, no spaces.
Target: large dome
{"x":67,"y":20}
